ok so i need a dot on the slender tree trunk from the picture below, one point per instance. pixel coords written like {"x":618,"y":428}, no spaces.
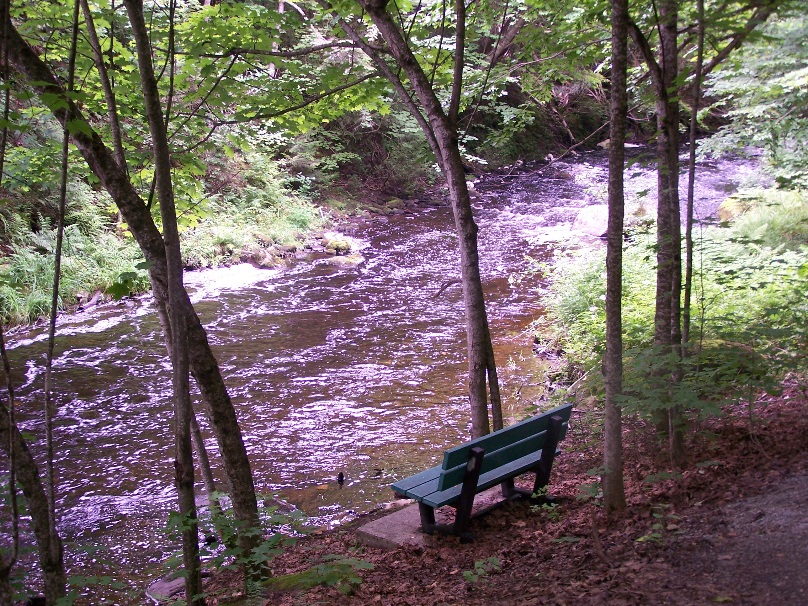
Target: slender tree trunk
{"x":25,"y":62}
{"x":205,"y":469}
{"x":9,"y":560}
{"x":49,"y":546}
{"x":106,"y":85}
{"x":23,"y":468}
{"x":613,"y":487}
{"x":50,"y":408}
{"x":442,"y":131}
{"x":183,"y":462}
{"x":691,"y":179}
{"x":669,"y":180}
{"x":667,"y":311}
{"x":493,"y":384}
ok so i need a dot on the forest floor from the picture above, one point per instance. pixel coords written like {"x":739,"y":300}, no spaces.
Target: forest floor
{"x":730,"y":528}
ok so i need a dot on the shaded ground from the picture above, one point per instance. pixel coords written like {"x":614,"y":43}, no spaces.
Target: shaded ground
{"x":730,"y":529}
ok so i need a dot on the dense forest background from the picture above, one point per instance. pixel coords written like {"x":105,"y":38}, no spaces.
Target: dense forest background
{"x":141,"y":139}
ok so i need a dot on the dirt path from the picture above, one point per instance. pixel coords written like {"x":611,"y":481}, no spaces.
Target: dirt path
{"x":752,"y":551}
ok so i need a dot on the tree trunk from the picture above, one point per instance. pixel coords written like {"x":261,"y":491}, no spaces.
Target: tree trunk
{"x":444,"y":135}
{"x":49,"y":547}
{"x":207,"y":473}
{"x":667,"y":312}
{"x":204,"y":367}
{"x":23,"y":468}
{"x":691,"y":179}
{"x":613,"y":488}
{"x":668,"y":168}
{"x":183,"y":459}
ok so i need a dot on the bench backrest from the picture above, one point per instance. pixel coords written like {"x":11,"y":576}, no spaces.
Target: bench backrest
{"x":502,"y":447}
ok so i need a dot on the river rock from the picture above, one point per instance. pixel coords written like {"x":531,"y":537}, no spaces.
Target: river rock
{"x":344,"y":262}
{"x":592,"y":220}
{"x":166,"y":589}
{"x":334,"y":242}
{"x":732,"y":207}
{"x":264,"y":258}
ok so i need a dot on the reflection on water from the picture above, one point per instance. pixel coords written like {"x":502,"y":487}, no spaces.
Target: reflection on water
{"x":357,"y":370}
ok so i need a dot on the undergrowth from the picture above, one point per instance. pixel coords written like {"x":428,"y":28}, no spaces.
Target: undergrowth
{"x":254,"y":213}
{"x":749,"y":312}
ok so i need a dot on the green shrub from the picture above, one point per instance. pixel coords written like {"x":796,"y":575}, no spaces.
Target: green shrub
{"x":92,"y":258}
{"x":749,"y":312}
{"x":255,"y":211}
{"x":776,"y":218}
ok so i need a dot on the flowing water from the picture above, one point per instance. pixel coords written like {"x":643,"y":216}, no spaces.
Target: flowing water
{"x":358,"y":370}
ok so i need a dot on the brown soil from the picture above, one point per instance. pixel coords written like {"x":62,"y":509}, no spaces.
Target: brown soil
{"x":731,"y":528}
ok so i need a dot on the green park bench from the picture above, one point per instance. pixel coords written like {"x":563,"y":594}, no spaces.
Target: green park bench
{"x":496,"y":458}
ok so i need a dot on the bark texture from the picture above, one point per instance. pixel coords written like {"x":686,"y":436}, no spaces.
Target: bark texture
{"x":613,"y":487}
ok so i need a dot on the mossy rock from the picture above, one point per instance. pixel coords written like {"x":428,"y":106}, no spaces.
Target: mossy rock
{"x":345,"y":262}
{"x":337,"y":243}
{"x":733,"y":207}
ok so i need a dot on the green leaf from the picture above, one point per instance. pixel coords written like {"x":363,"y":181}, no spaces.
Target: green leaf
{"x":118,"y":290}
{"x":79,"y":126}
{"x":53,"y":101}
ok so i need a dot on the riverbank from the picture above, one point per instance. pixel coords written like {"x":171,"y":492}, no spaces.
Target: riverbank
{"x":728,"y":528}
{"x":365,"y":363}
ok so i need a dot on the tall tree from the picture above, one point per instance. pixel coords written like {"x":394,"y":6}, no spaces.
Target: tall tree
{"x":440,"y":126}
{"x":177,"y":329}
{"x":25,"y":62}
{"x":663,"y":67}
{"x":613,"y":487}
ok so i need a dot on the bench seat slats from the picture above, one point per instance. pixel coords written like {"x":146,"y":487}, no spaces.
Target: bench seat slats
{"x":407,"y":484}
{"x":439,"y":498}
{"x":504,"y":437}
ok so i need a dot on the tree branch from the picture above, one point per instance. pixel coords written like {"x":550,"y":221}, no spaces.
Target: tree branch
{"x":391,"y":76}
{"x":307,"y":101}
{"x":289,"y":54}
{"x":647,"y":53}
{"x":459,"y":62}
{"x":758,"y":17}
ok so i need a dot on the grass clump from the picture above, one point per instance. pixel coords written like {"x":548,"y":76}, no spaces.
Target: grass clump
{"x":249,"y":216}
{"x":255,"y":212}
{"x":93,"y":257}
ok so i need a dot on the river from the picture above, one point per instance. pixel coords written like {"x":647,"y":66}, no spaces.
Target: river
{"x":358,"y":370}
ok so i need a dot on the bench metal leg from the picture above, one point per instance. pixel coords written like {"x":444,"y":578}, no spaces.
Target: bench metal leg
{"x":511,"y":492}
{"x":508,"y":489}
{"x":548,"y":453}
{"x":427,"y":518}
{"x":473,"y":468}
